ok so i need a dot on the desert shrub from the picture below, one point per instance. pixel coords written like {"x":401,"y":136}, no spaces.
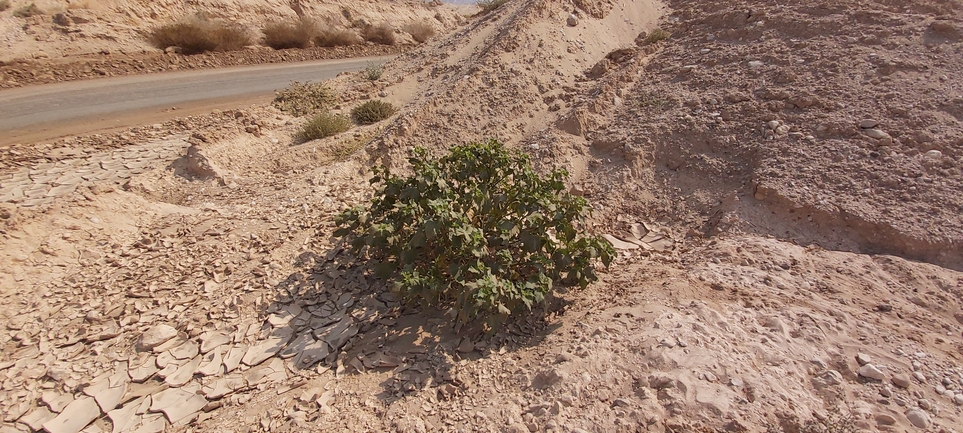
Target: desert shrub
{"x":477,"y":232}
{"x":490,"y":5}
{"x":374,"y":71}
{"x":323,"y":125}
{"x":372,"y":111}
{"x":655,"y":35}
{"x":301,"y":99}
{"x":280,"y":35}
{"x":336,"y":38}
{"x":4,"y":5}
{"x":380,"y":34}
{"x":420,"y":31}
{"x":27,"y":11}
{"x":199,"y":36}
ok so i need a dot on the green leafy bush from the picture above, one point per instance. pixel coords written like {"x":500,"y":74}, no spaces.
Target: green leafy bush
{"x":490,"y":5}
{"x":372,"y":111}
{"x":301,"y":99}
{"x":281,"y":35}
{"x":476,"y":231}
{"x":198,"y":36}
{"x":323,"y":125}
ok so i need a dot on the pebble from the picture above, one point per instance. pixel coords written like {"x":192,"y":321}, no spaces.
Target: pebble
{"x":863,"y":359}
{"x":755,"y":64}
{"x":872,"y":372}
{"x":925,"y":404}
{"x":933,"y":154}
{"x":868,"y":123}
{"x":885,"y":419}
{"x":901,"y":381}
{"x":572,"y":20}
{"x":918,"y":418}
{"x":958,"y":399}
{"x":919,"y":377}
{"x":940,"y":389}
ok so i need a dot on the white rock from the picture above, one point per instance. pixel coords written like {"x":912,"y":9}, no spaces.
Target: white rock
{"x":156,"y":336}
{"x":863,"y":359}
{"x":74,"y":417}
{"x":755,"y":64}
{"x":872,"y":372}
{"x":958,"y":399}
{"x":933,"y":154}
{"x":918,"y":418}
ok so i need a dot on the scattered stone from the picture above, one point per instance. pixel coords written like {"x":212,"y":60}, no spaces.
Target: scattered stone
{"x":233,"y":358}
{"x":107,"y":396}
{"x":901,"y":381}
{"x":876,"y":134}
{"x":933,"y":154}
{"x":918,"y":418}
{"x":755,"y":64}
{"x":958,"y":399}
{"x":572,"y":20}
{"x":184,"y":373}
{"x":466,"y":345}
{"x":56,"y":401}
{"x":212,"y":340}
{"x":919,"y":377}
{"x":74,"y":417}
{"x":885,"y":419}
{"x":155,"y":336}
{"x":868,"y":123}
{"x":37,"y":418}
{"x":187,"y":350}
{"x":870,"y":371}
{"x":863,"y":359}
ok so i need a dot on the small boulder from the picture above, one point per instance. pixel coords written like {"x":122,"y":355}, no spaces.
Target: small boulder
{"x":901,"y":381}
{"x":870,"y":371}
{"x":918,"y":418}
{"x":572,"y":20}
{"x":155,"y":336}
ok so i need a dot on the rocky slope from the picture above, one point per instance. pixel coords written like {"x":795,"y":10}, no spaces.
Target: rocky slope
{"x":801,"y":164}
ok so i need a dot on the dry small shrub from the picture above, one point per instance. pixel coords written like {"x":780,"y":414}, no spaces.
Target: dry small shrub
{"x":199,"y":36}
{"x":323,"y":125}
{"x":420,"y":31}
{"x":380,"y":34}
{"x":336,"y":38}
{"x":490,"y":5}
{"x":372,"y":111}
{"x":27,"y":11}
{"x":374,"y":71}
{"x":655,"y":36}
{"x":4,"y":5}
{"x":281,"y":36}
{"x":301,"y":99}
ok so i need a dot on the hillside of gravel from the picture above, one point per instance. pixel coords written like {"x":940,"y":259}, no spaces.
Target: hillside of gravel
{"x":782,"y":183}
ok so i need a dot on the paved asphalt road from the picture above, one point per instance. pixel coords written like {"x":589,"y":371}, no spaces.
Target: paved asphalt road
{"x":52,"y":110}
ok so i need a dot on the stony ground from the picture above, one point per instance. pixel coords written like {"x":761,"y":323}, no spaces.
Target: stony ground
{"x":796,"y":169}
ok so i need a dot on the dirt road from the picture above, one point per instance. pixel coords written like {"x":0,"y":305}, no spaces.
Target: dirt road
{"x":50,"y":111}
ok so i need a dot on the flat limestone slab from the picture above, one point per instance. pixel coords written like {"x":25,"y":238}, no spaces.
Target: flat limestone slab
{"x":74,"y":417}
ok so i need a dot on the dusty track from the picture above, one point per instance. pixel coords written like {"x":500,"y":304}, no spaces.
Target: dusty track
{"x":39,"y":113}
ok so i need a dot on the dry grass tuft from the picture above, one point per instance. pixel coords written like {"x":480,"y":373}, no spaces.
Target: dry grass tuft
{"x":490,"y":5}
{"x":380,"y":34}
{"x":372,"y":111}
{"x":336,"y":38}
{"x":280,"y":35}
{"x":323,"y":125}
{"x":27,"y":11}
{"x":655,"y":36}
{"x":199,"y":36}
{"x":301,"y":99}
{"x":420,"y":31}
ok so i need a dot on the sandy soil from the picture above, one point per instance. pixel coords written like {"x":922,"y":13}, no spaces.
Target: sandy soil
{"x":802,"y":160}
